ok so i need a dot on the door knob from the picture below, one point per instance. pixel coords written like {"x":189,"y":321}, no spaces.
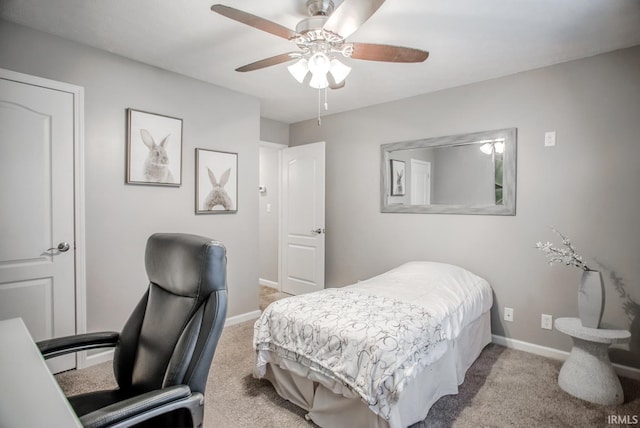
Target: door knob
{"x":318,"y":231}
{"x":62,"y":247}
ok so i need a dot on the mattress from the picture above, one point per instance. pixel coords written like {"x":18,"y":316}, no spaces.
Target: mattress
{"x":456,"y":303}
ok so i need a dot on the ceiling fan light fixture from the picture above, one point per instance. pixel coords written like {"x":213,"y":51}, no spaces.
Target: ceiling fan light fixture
{"x":339,"y":71}
{"x":299,"y":69}
{"x":320,"y":38}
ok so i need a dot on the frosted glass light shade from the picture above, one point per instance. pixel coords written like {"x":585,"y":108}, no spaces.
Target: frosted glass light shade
{"x":299,"y":69}
{"x":339,"y":71}
{"x":319,"y":80}
{"x":319,"y":63}
{"x":499,"y":146}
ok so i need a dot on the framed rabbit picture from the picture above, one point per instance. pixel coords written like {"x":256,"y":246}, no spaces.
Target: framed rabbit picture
{"x":216,"y":182}
{"x":397,"y":178}
{"x":154,"y":149}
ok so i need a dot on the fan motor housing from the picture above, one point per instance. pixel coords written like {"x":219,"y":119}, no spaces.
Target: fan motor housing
{"x":311,"y":24}
{"x":320,"y":7}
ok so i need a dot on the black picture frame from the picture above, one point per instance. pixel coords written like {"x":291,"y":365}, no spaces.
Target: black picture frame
{"x":398,"y":178}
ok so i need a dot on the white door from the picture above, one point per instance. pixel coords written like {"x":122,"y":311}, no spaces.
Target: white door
{"x":303,"y":231}
{"x":420,"y":182}
{"x":37,"y":245}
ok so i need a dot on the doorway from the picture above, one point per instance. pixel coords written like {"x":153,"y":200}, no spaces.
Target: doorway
{"x":269,"y":213}
{"x":292,"y":223}
{"x":420,"y":182}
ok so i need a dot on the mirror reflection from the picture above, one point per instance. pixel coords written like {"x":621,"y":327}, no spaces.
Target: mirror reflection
{"x":462,"y":174}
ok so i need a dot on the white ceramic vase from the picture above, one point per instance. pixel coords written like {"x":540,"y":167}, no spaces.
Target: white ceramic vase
{"x":591,"y":298}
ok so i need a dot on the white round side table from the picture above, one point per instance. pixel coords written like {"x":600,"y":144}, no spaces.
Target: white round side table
{"x":588,"y":373}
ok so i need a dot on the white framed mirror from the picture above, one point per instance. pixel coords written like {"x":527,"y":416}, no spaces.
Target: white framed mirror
{"x":460,"y":174}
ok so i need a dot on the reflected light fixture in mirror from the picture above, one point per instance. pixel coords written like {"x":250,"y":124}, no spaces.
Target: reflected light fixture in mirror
{"x":492,"y":146}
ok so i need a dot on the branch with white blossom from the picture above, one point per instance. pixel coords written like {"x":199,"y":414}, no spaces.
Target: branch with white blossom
{"x":566,"y":256}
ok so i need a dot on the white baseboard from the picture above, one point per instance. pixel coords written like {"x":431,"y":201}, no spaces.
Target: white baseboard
{"x":242,"y":318}
{"x":101,"y":357}
{"x":556,"y":354}
{"x":97,"y":358}
{"x":531,"y":348}
{"x":626,"y":371}
{"x":267,"y":283}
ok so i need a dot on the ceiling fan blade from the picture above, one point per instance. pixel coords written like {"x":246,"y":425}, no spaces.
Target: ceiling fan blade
{"x":254,"y":21}
{"x":350,"y":15}
{"x":268,"y":62}
{"x":387,"y":53}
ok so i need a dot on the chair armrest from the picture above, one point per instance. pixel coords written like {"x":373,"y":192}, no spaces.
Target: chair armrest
{"x":80,"y":342}
{"x":146,"y":406}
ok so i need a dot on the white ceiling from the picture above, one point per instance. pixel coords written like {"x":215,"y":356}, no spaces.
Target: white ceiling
{"x":468,"y":41}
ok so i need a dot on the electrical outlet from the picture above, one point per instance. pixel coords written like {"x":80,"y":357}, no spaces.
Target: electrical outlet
{"x":546,"y":322}
{"x":508,"y":314}
{"x":550,"y":138}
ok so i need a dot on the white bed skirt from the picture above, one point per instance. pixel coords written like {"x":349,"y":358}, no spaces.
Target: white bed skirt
{"x":332,"y":405}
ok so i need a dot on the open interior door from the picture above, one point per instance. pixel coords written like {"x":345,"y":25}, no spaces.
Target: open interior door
{"x":303,"y":227}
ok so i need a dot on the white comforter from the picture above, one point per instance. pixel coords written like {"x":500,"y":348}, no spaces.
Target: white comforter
{"x":374,"y":336}
{"x":453,"y":295}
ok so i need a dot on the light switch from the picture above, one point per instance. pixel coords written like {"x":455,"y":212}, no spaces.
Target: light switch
{"x":550,"y":138}
{"x":268,"y":208}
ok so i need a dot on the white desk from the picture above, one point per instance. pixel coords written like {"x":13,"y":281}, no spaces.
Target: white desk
{"x":29,"y":395}
{"x":588,"y":373}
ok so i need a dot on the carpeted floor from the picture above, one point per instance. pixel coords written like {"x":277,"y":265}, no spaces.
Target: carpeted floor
{"x":503,"y":388}
{"x":269,"y":295}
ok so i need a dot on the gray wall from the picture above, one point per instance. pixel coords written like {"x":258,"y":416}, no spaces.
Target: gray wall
{"x":586,"y":186}
{"x":274,"y":131}
{"x":463,"y":175}
{"x":120,"y":217}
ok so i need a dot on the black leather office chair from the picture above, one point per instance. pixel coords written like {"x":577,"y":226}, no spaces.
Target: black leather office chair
{"x":163,"y":354}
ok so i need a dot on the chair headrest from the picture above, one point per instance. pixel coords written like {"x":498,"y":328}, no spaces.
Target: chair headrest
{"x":186,"y":265}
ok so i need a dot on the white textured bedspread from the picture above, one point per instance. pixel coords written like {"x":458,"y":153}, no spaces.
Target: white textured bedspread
{"x":454,"y":296}
{"x":372,"y":344}
{"x":376,"y":335}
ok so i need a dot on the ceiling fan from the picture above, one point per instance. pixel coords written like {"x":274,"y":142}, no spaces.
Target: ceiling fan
{"x":321,"y":40}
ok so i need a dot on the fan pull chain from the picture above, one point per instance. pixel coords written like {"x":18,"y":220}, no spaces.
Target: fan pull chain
{"x":319,"y":99}
{"x":326,"y":103}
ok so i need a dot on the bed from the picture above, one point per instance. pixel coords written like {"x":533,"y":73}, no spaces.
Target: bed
{"x":377,"y":353}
